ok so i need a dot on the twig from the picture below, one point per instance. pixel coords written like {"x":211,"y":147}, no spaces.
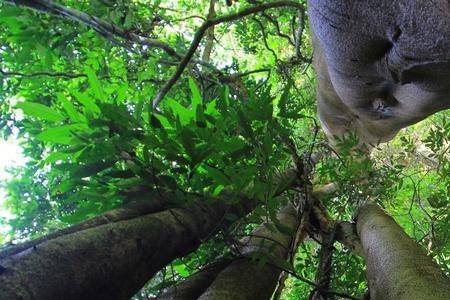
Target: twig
{"x":277,"y":27}
{"x":264,"y":35}
{"x":201,"y":31}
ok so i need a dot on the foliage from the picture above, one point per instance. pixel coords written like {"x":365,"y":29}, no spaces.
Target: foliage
{"x":81,"y":106}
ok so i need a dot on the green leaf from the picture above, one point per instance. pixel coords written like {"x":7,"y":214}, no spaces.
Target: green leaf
{"x":284,"y":99}
{"x":196,"y":95}
{"x":157,"y":120}
{"x":185,"y":114}
{"x":55,"y":156}
{"x":95,"y":83}
{"x":61,"y":135}
{"x":40,"y":111}
{"x":217,"y":175}
{"x":226,"y":95}
{"x":70,"y":109}
{"x":88,"y":103}
{"x":182,"y":270}
{"x":217,"y":190}
{"x":230,"y":146}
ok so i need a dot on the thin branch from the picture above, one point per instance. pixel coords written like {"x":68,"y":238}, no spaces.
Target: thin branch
{"x":264,"y":35}
{"x":324,"y":269}
{"x":38,"y":74}
{"x":312,"y":283}
{"x":299,"y":33}
{"x":254,"y":72}
{"x":201,"y":31}
{"x":102,"y":27}
{"x":278,"y":29}
{"x":69,"y":76}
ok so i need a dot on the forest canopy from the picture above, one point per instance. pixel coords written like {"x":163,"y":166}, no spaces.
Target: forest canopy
{"x":207,"y":107}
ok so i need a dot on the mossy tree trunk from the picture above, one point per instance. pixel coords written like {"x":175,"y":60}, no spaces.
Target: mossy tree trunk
{"x":397,"y":267}
{"x":114,"y":255}
{"x":244,"y":279}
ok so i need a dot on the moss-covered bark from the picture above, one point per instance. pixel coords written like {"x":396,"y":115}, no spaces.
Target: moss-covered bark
{"x":243,"y":279}
{"x":112,"y":260}
{"x":397,"y":267}
{"x":196,"y":284}
{"x":155,"y":203}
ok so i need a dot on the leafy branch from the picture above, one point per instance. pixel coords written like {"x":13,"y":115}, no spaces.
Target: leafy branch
{"x":104,"y":28}
{"x":201,"y":32}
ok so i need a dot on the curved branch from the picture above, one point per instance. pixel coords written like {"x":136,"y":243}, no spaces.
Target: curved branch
{"x":201,"y":32}
{"x":102,"y":27}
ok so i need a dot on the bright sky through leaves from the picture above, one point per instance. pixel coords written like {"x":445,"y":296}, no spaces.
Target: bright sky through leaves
{"x":10,"y":156}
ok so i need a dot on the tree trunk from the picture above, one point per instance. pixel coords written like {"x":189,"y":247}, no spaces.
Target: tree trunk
{"x":112,"y":260}
{"x":243,"y":279}
{"x":196,"y":284}
{"x":397,"y":267}
{"x":126,"y":212}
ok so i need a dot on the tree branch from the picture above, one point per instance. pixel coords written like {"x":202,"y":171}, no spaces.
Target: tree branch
{"x":38,"y":74}
{"x":102,"y":27}
{"x":201,"y":32}
{"x":63,"y":75}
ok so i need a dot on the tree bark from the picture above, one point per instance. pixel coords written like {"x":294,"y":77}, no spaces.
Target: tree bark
{"x":196,"y":284}
{"x":243,"y":279}
{"x":397,"y":267}
{"x":345,"y":232}
{"x":112,"y":260}
{"x":126,"y":212}
{"x":206,"y":55}
{"x":323,"y":273}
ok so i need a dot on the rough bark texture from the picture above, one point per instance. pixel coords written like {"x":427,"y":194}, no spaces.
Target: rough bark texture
{"x":243,"y":279}
{"x":113,"y":260}
{"x":323,"y":273}
{"x":196,"y":284}
{"x":397,"y":267}
{"x":129,"y":211}
{"x":345,"y":232}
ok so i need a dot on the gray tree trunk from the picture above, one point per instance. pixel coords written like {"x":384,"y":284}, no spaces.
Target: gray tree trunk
{"x":196,"y":284}
{"x":111,"y":259}
{"x":243,"y":279}
{"x":397,"y":267}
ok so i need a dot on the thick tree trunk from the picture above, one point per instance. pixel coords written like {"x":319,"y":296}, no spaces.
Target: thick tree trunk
{"x":397,"y":267}
{"x":243,"y":279}
{"x":111,"y":260}
{"x":126,"y":212}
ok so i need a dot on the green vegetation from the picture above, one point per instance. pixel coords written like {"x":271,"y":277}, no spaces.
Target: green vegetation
{"x":84,"y":99}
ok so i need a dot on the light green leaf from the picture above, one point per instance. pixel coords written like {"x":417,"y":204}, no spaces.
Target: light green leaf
{"x":55,"y":156}
{"x":182,"y":270}
{"x":95,"y":83}
{"x":185,"y":114}
{"x":88,"y":103}
{"x":71,"y":111}
{"x":40,"y":111}
{"x":196,"y":95}
{"x":61,"y":135}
